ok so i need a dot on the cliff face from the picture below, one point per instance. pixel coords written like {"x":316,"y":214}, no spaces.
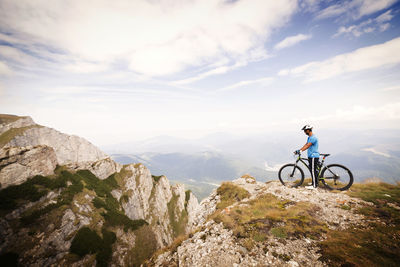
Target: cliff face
{"x":64,"y":202}
{"x":70,"y":150}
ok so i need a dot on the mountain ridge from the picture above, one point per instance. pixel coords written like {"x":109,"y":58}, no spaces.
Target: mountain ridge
{"x":53,"y":209}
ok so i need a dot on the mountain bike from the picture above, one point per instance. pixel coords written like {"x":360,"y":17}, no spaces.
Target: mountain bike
{"x":333,"y":176}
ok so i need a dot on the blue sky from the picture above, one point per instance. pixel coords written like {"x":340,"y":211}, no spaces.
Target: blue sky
{"x":128,"y":70}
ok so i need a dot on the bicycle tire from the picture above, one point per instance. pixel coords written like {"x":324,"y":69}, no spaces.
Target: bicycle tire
{"x":347,"y":186}
{"x":291,"y":165}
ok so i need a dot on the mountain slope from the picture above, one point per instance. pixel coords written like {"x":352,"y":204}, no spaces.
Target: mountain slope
{"x":248,"y":223}
{"x":64,"y":213}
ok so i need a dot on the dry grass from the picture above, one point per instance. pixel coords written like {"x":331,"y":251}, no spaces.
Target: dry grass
{"x":230,"y":193}
{"x":267,"y":215}
{"x":10,"y":134}
{"x":377,"y":243}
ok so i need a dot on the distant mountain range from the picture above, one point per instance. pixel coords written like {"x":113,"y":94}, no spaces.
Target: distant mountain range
{"x":204,"y":162}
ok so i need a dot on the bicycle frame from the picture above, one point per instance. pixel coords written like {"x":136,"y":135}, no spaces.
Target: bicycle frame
{"x":319,"y":168}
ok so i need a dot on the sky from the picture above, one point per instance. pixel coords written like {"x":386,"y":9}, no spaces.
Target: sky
{"x":117,"y":71}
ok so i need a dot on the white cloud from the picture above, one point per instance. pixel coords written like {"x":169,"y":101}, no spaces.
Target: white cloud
{"x":385,"y":54}
{"x":390,"y":88}
{"x":86,"y":67}
{"x":292,"y":40}
{"x":262,"y":81}
{"x":371,"y":6}
{"x":368,"y":26}
{"x":5,"y":70}
{"x":358,"y":113}
{"x":154,"y":38}
{"x":354,"y":9}
{"x":384,"y":17}
{"x":255,"y":55}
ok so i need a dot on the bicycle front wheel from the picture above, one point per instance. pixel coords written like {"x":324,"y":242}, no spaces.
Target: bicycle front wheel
{"x":337,"y":177}
{"x":291,"y":175}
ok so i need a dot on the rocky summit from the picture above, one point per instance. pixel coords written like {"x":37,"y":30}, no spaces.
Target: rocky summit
{"x":249,"y":223}
{"x":63,"y":202}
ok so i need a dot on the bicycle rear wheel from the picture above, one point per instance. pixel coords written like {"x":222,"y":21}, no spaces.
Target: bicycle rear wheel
{"x":337,"y":177}
{"x":291,"y":175}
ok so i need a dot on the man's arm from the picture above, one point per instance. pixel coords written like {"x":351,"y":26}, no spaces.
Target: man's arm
{"x":305,"y":147}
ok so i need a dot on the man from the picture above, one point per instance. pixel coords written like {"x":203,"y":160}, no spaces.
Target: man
{"x":313,"y":155}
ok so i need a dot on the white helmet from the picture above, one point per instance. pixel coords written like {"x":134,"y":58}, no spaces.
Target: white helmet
{"x":307,"y":127}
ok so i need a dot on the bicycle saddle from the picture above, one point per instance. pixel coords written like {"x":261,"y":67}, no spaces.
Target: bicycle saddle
{"x":324,"y":155}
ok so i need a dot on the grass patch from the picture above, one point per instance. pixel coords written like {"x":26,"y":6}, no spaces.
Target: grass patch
{"x":114,"y":217}
{"x":145,"y":246}
{"x":118,"y":179}
{"x":230,"y":193}
{"x":267,"y":215}
{"x":87,"y":241}
{"x":8,"y":118}
{"x":7,"y":136}
{"x":102,"y":188}
{"x":33,"y":189}
{"x":374,"y":244}
{"x":187,"y":197}
{"x":279,"y":232}
{"x":65,"y":198}
{"x":377,"y":193}
{"x":345,"y":207}
{"x":156,"y":177}
{"x":178,"y":225}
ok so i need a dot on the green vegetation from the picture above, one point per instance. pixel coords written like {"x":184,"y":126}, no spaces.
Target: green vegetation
{"x":374,"y":244}
{"x":8,"y":118}
{"x":13,"y":132}
{"x":145,"y":246}
{"x":187,"y":197}
{"x":377,"y":193}
{"x":114,"y":216}
{"x":65,"y":198}
{"x":270,"y":216}
{"x":230,"y":193}
{"x":73,"y":187}
{"x":117,"y":179}
{"x":33,"y":189}
{"x":38,"y":186}
{"x":87,"y":241}
{"x":156,"y":178}
{"x":102,"y":188}
{"x":178,"y":225}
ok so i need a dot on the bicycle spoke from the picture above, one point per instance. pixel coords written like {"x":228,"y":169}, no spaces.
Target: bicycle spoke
{"x":336,"y":177}
{"x":291,"y":176}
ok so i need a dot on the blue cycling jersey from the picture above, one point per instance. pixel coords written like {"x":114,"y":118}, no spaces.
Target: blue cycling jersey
{"x":312,"y":151}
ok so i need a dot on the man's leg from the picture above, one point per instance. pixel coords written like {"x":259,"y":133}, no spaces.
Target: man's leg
{"x":311,"y":163}
{"x":316,"y":160}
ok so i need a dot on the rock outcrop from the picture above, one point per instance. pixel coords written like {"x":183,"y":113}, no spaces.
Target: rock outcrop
{"x":70,"y":150}
{"x":17,"y":164}
{"x":8,"y":122}
{"x":170,"y":210}
{"x":67,"y":191}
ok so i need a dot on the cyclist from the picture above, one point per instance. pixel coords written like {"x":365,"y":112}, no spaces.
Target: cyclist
{"x":313,"y":155}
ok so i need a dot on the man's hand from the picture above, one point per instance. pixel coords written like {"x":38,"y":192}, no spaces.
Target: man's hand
{"x":297,"y":152}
